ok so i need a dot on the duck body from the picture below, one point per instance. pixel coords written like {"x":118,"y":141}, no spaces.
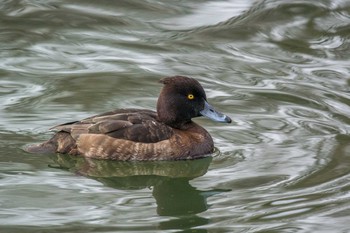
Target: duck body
{"x":141,"y":134}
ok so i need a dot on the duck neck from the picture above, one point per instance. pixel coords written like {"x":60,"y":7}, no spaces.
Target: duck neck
{"x":171,"y":119}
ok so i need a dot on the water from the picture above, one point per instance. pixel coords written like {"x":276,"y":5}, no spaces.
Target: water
{"x":280,"y":69}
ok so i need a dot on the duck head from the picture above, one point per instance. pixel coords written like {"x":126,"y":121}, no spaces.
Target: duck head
{"x":182,"y":99}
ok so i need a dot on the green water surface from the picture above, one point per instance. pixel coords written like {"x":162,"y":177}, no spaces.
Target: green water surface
{"x":279,"y":68}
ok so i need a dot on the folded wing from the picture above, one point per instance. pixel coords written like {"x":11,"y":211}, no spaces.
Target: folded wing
{"x":129,"y":124}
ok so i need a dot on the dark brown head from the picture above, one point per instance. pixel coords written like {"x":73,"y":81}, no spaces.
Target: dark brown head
{"x":182,"y":99}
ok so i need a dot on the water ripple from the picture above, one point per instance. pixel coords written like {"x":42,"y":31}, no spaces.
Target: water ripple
{"x":280,"y":69}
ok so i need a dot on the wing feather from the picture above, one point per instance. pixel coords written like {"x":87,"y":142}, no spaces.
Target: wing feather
{"x":133,"y":124}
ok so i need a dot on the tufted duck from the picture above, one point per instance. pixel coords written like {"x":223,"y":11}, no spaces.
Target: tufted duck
{"x":140,"y":134}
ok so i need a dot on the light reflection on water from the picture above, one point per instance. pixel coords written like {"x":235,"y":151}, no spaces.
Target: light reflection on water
{"x":280,"y":69}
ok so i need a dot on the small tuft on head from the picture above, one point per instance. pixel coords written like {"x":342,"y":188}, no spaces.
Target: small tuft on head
{"x":183,"y":84}
{"x":178,"y":79}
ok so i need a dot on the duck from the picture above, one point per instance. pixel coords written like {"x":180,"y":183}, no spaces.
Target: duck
{"x":141,"y":134}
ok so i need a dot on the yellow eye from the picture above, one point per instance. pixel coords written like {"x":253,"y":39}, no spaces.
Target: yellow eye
{"x":190,"y":96}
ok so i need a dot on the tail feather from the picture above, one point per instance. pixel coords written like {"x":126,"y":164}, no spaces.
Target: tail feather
{"x":41,"y":148}
{"x":61,"y":142}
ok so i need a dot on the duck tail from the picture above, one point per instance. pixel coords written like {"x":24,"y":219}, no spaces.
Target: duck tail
{"x":42,"y":148}
{"x":61,"y":142}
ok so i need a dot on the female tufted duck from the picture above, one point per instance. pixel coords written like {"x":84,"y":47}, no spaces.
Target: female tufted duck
{"x":140,"y":134}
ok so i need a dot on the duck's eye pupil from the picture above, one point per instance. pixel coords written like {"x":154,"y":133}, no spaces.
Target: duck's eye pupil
{"x":190,"y":96}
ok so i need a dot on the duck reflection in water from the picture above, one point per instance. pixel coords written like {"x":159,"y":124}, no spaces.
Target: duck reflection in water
{"x":174,"y":194}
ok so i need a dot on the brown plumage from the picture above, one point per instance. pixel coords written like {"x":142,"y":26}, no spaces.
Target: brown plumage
{"x":140,"y":134}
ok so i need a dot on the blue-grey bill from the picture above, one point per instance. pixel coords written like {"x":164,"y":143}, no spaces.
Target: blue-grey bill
{"x":214,"y":115}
